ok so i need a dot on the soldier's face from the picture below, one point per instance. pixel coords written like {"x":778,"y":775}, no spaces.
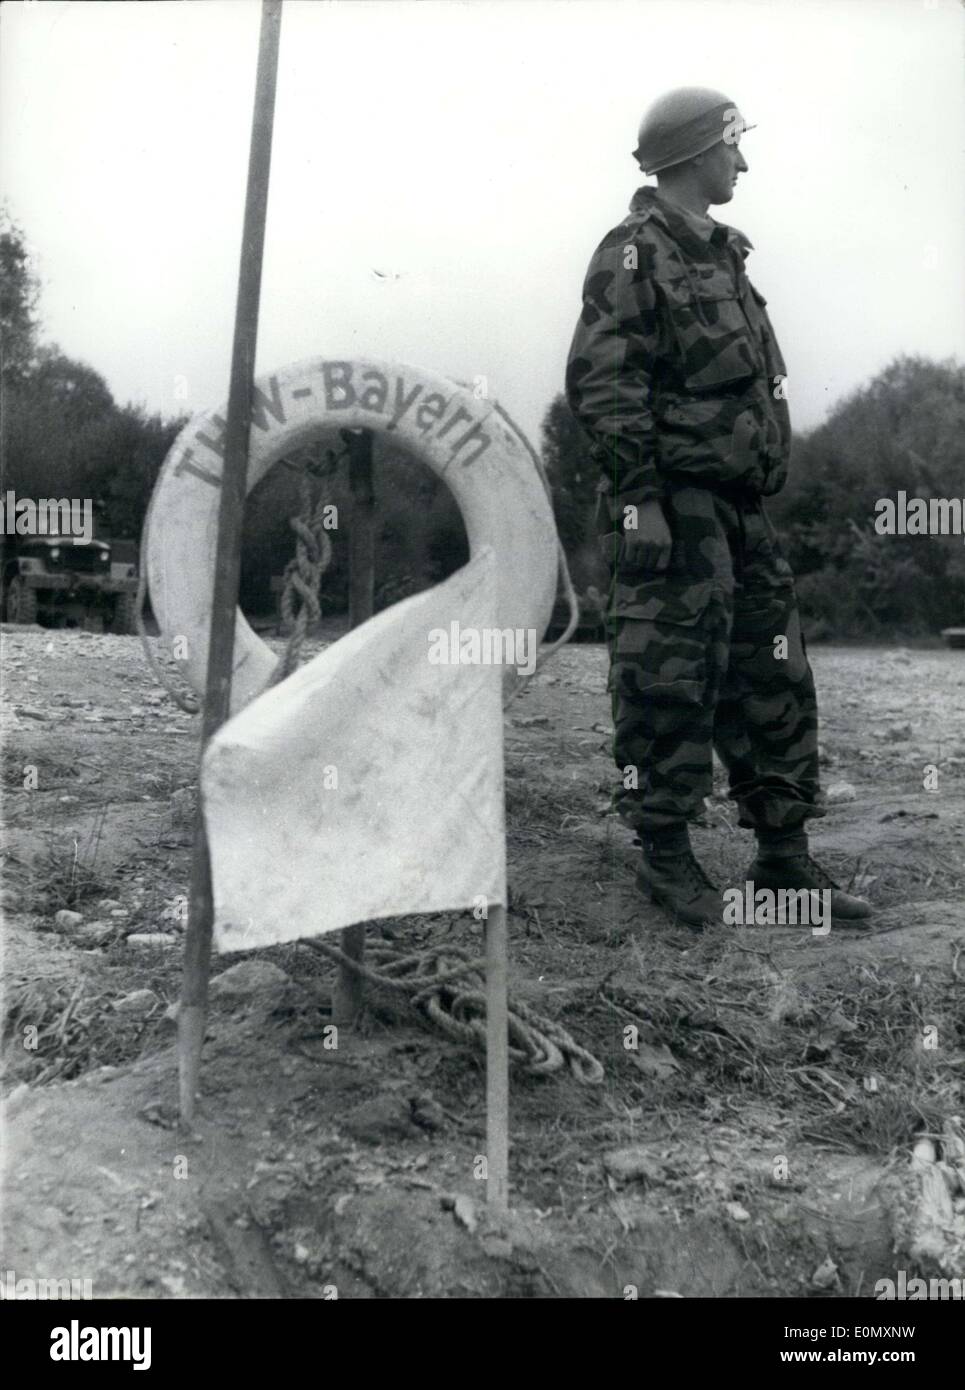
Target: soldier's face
{"x":719,"y":167}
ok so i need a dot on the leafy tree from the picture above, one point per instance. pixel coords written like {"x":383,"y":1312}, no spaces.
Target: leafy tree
{"x":19,"y":291}
{"x":80,"y":394}
{"x":49,"y":413}
{"x":117,"y":460}
{"x":62,"y":432}
{"x":903,"y":431}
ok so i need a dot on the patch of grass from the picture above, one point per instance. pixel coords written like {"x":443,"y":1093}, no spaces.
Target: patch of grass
{"x":531,"y":807}
{"x":843,"y":1056}
{"x":927,"y":873}
{"x":55,"y":1029}
{"x":52,"y":773}
{"x":879,"y":1123}
{"x":62,"y":874}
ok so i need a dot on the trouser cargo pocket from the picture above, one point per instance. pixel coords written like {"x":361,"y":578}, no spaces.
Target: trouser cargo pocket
{"x":663,"y":658}
{"x":658,"y":641}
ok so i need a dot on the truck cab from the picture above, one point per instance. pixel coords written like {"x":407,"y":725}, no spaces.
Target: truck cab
{"x":60,"y":580}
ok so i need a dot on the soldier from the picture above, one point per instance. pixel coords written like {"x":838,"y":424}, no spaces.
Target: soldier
{"x":676,"y":375}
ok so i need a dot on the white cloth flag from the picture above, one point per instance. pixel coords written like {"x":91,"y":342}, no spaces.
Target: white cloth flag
{"x":368,"y":784}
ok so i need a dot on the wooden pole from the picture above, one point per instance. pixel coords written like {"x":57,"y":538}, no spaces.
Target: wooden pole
{"x":497,"y":1063}
{"x":347,"y":998}
{"x":217,"y":700}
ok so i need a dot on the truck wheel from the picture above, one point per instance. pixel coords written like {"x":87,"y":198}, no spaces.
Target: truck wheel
{"x":125,"y":614}
{"x":21,"y":602}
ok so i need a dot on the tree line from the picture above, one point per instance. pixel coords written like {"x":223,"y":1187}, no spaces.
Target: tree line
{"x":63,"y":434}
{"x":904,"y":431}
{"x":61,"y":431}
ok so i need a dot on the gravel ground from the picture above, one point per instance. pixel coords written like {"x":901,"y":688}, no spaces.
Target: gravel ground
{"x":359,"y":1167}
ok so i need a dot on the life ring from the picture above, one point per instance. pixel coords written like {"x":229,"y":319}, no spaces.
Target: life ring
{"x":470,"y":443}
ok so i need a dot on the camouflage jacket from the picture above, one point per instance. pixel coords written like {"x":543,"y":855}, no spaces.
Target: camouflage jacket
{"x":674,"y":370}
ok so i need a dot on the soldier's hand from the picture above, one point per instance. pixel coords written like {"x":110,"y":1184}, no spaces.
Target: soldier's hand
{"x":647,"y":546}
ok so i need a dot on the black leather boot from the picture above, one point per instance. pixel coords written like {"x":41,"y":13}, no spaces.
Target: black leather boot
{"x":671,"y":876}
{"x":784,"y":862}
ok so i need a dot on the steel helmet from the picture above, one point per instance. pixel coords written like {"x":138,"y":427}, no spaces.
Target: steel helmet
{"x":684,"y":123}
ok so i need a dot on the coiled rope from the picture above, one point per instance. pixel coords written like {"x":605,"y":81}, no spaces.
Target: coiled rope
{"x":303,"y":576}
{"x":300,"y":607}
{"x":447,"y":985}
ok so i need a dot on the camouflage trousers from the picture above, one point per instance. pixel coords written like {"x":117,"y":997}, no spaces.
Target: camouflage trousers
{"x":710,"y":654}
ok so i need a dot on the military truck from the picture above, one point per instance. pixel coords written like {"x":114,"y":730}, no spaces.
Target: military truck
{"x":61,"y":581}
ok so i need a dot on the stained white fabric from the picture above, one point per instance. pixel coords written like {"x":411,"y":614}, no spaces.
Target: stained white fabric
{"x":369,"y":784}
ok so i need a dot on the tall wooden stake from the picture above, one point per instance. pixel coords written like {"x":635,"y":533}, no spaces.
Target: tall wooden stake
{"x":347,"y":998}
{"x":497,"y":1063}
{"x":217,"y":701}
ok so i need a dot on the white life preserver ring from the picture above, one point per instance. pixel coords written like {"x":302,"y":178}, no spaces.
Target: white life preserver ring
{"x":470,"y":443}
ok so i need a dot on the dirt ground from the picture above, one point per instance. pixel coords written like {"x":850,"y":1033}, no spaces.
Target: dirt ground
{"x":757,"y":1139}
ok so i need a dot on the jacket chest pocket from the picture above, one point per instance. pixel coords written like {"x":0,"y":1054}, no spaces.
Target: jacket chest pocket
{"x":714,"y":342}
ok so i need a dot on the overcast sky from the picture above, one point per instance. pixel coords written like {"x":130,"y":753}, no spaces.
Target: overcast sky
{"x":478,"y":152}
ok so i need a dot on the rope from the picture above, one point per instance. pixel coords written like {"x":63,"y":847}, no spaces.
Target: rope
{"x":313,"y":555}
{"x":300,"y":607}
{"x":448,"y":986}
{"x":569,"y":592}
